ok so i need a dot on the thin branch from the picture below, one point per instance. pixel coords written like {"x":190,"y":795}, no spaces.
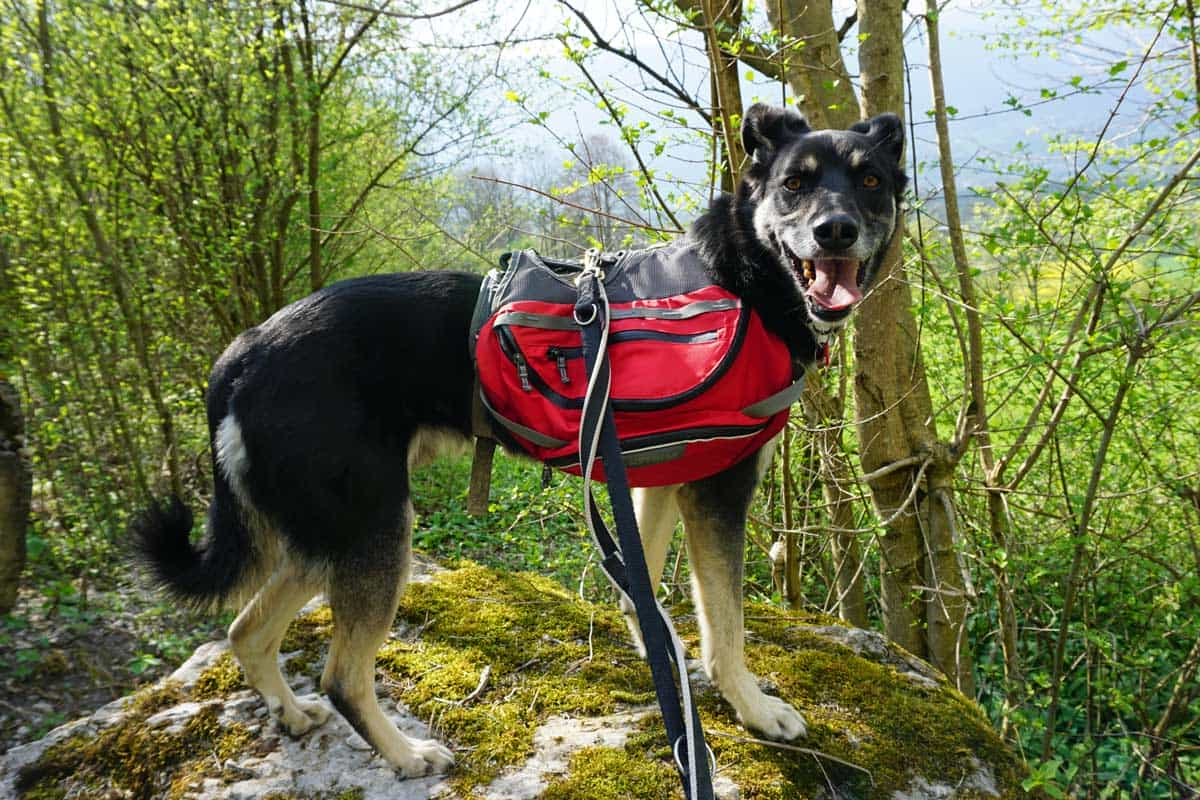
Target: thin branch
{"x":616,"y":118}
{"x":578,"y":207}
{"x":398,"y":14}
{"x":604,"y":44}
{"x":846,"y":25}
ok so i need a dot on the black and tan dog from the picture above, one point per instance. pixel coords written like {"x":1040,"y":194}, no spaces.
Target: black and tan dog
{"x":317,"y":416}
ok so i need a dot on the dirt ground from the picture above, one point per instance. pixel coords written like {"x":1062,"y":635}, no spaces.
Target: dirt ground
{"x":60,"y":659}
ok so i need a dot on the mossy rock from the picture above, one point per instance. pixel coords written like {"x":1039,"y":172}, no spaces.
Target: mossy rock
{"x":881,"y":723}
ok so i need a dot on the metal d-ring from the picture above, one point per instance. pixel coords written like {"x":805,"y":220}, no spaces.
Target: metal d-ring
{"x":584,"y":323}
{"x":712,"y":757}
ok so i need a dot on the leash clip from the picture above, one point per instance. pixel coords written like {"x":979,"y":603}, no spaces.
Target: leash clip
{"x":591,"y":266}
{"x":591,"y":269}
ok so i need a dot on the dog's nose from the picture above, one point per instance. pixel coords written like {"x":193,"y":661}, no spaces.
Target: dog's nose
{"x":836,"y":233}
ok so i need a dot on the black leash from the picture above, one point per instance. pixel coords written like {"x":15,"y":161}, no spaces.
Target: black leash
{"x":626,"y":563}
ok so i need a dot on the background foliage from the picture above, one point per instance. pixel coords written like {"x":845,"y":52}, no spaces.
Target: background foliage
{"x":174,"y":173}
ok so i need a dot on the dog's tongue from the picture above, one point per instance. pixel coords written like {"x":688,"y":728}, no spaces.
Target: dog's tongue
{"x":835,"y":286}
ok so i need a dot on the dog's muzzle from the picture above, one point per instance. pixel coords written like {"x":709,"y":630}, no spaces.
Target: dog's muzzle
{"x":830,"y":283}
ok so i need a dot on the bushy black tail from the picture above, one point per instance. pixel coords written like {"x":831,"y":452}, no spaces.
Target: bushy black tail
{"x":201,"y":576}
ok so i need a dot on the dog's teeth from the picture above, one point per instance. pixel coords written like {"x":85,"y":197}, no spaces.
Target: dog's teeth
{"x":809,"y":274}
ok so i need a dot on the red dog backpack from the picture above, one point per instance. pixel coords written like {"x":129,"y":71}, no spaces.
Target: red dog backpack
{"x":698,"y":383}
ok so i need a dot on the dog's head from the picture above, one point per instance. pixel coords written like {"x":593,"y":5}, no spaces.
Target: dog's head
{"x":824,"y":203}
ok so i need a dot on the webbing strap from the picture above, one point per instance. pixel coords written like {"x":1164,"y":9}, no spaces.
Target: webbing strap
{"x":626,"y":564}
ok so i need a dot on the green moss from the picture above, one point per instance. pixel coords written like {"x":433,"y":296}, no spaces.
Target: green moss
{"x":353,"y":793}
{"x":601,"y":773}
{"x":219,"y":680}
{"x":151,"y":701}
{"x":550,"y":653}
{"x":306,"y":640}
{"x":131,"y":761}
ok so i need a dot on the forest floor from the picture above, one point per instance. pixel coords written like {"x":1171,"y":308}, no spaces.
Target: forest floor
{"x":64,"y":657}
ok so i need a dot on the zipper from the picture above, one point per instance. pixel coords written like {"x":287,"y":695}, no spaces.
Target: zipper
{"x":531,"y":380}
{"x":510,"y":349}
{"x":523,"y":372}
{"x":559,"y":354}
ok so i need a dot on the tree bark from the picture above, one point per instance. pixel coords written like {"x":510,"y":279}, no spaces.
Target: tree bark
{"x":16,"y":488}
{"x":810,"y":61}
{"x":923,"y":592}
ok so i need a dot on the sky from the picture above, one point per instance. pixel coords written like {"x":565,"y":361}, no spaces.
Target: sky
{"x":979,"y":77}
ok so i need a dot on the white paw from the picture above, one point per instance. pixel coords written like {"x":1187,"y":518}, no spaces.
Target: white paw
{"x":315,"y":710}
{"x":773,"y":718}
{"x":425,"y":757}
{"x":298,"y":718}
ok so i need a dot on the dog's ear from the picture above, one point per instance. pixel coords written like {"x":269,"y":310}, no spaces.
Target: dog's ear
{"x":764,"y":127}
{"x":887,"y":130}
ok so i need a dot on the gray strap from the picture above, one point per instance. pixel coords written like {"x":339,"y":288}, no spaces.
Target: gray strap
{"x":530,"y":320}
{"x":683,"y":312}
{"x":540,"y":439}
{"x":557,"y":323}
{"x":770,"y":406}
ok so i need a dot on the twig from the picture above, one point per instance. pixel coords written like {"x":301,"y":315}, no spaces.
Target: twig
{"x":578,"y":207}
{"x":887,"y":469}
{"x":912,"y":494}
{"x":793,"y":748}
{"x":483,"y":679}
{"x":400,"y":15}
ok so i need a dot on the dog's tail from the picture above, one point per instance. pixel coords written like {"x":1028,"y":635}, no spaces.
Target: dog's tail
{"x":203,"y":575}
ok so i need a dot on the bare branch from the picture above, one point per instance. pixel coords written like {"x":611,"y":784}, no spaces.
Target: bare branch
{"x":578,"y":207}
{"x":399,"y":14}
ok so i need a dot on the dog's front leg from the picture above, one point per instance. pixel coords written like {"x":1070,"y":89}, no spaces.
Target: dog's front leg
{"x":714,"y":518}
{"x":657,"y":516}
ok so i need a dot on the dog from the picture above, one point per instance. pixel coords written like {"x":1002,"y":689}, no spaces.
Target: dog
{"x":318,"y":416}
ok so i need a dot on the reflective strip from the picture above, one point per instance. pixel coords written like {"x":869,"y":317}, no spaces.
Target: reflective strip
{"x":556,"y":323}
{"x":770,"y":406}
{"x":540,"y":439}
{"x":684,"y":312}
{"x":653,"y":455}
{"x":547,"y":321}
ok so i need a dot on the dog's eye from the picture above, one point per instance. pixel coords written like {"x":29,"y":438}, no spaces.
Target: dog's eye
{"x":794,"y":183}
{"x":870,"y":181}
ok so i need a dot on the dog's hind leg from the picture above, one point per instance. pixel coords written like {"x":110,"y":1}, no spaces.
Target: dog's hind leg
{"x":256,"y":635}
{"x":714,"y":518}
{"x":657,"y":515}
{"x":364,"y":593}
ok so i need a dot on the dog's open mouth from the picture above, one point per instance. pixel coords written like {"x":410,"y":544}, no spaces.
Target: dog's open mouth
{"x":830,"y":284}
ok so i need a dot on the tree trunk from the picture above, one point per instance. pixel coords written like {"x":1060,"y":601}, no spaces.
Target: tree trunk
{"x":727,"y":89}
{"x":923,"y":591}
{"x":810,"y":61}
{"x":16,"y":485}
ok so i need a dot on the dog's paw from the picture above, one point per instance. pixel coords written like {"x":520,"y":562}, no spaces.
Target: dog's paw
{"x":774,"y":719}
{"x":315,"y":710}
{"x":424,"y":757}
{"x":300,"y":718}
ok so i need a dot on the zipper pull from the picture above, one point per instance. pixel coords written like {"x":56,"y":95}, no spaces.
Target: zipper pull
{"x":523,"y":373}
{"x":561,"y":360}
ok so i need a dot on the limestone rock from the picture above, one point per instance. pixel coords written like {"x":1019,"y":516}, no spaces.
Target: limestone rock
{"x":566,"y":712}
